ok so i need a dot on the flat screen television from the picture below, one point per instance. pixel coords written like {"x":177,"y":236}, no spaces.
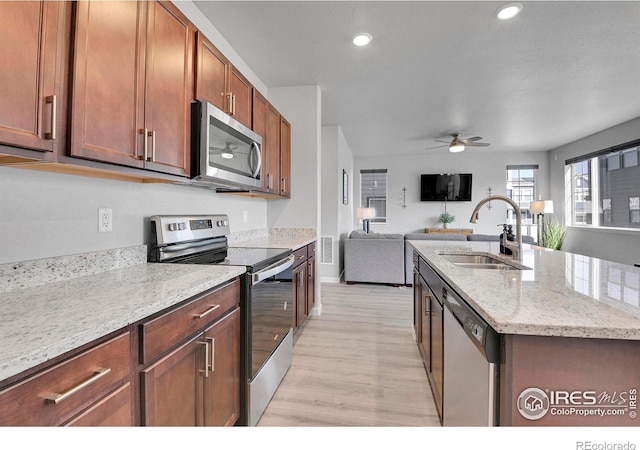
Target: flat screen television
{"x":438,"y":187}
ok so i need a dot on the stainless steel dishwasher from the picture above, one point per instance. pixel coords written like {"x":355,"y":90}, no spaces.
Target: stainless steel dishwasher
{"x":471,"y":357}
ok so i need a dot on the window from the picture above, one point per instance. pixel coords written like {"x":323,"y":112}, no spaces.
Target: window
{"x":603,"y":188}
{"x":373,"y":192}
{"x":521,"y":188}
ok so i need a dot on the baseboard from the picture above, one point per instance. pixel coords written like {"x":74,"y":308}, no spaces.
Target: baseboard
{"x":329,"y":280}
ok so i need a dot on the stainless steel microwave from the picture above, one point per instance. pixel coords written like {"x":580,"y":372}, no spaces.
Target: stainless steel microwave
{"x":225,"y":153}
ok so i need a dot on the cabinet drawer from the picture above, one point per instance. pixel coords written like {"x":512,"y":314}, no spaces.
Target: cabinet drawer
{"x":112,"y":411}
{"x":74,"y":384}
{"x":311,"y":250}
{"x":160,"y":334}
{"x":301,"y":256}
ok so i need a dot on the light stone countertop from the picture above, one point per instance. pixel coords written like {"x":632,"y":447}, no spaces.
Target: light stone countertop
{"x":564,"y":294}
{"x":293,"y":238}
{"x":54,"y":305}
{"x":41,"y":322}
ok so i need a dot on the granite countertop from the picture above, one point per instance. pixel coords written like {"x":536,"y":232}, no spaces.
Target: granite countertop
{"x":563,"y":294}
{"x":293,"y":238}
{"x":54,"y":305}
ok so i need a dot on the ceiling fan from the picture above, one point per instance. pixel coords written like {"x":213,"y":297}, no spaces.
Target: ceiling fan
{"x":458,"y":145}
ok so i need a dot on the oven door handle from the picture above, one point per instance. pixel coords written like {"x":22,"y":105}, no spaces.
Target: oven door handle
{"x":273,"y":269}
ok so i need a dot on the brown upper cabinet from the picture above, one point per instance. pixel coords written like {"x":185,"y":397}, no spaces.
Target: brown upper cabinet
{"x":266,"y":122}
{"x":221,"y":84}
{"x":285,"y":158}
{"x":132,"y":85}
{"x":31,"y":41}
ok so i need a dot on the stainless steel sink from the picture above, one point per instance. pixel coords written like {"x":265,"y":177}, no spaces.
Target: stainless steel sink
{"x":480,"y":261}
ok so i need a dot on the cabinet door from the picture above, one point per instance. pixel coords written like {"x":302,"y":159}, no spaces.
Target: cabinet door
{"x":168,"y":89}
{"x":241,"y":93}
{"x":107,"y":103}
{"x":172,"y":388}
{"x":417,"y":307}
{"x":272,"y":151}
{"x":112,"y":411}
{"x":222,"y":385}
{"x":300,"y":292}
{"x":437,"y":354}
{"x":285,"y":158}
{"x":29,"y":39}
{"x":211,"y":73}
{"x":311,"y":284}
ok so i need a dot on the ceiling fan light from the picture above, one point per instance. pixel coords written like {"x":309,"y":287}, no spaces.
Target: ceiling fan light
{"x":362,"y":39}
{"x":456,"y":147}
{"x":509,"y":11}
{"x":227,"y":154}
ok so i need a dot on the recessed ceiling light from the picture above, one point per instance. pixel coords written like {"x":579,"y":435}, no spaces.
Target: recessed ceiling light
{"x":362,"y":39}
{"x":509,"y":11}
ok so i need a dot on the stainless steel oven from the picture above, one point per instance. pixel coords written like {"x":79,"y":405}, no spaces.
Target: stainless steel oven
{"x":266,"y":304}
{"x":225,"y":153}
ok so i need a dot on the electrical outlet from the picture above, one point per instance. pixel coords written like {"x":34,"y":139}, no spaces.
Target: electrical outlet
{"x":105,"y":220}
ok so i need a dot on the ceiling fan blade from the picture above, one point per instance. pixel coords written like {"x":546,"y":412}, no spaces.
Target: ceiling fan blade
{"x":476,"y":144}
{"x":437,"y":146}
{"x":440,"y":140}
{"x":471,"y":139}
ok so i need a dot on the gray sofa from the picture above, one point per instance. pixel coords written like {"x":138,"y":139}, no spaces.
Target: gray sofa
{"x":387,"y":258}
{"x":374,"y":258}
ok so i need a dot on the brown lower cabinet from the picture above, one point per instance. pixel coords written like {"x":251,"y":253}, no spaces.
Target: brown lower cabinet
{"x":429,"y":327}
{"x":197,"y":382}
{"x":303,"y":283}
{"x":92,"y":388}
{"x":180,"y":366}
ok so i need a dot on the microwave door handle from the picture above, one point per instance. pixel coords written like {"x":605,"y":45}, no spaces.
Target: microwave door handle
{"x":256,"y":149}
{"x":275,"y":269}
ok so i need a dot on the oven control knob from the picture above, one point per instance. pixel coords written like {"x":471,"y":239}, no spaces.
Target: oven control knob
{"x":222,"y":223}
{"x":172,"y":227}
{"x":182,"y":226}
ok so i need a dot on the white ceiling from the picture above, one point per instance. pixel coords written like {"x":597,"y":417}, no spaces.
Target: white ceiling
{"x":557,"y":72}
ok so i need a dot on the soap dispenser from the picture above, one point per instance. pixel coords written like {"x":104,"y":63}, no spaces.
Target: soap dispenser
{"x":507,"y":230}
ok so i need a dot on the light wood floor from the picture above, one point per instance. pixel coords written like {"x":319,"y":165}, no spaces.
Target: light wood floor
{"x":356,"y":364}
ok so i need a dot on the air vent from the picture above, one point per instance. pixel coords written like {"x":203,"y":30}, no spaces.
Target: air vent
{"x":326,"y":249}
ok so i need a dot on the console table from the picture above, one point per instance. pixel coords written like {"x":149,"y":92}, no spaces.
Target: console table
{"x":465,"y":231}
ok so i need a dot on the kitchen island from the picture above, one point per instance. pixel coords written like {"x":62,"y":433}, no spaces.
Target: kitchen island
{"x":569,"y":328}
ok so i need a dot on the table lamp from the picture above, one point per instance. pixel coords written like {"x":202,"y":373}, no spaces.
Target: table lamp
{"x":365,"y":214}
{"x":540,"y":208}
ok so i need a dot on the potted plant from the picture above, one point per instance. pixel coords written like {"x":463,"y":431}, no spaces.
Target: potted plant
{"x":553,"y":236}
{"x":446,"y":218}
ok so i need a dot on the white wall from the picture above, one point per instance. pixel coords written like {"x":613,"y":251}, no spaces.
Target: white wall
{"x":301,"y":106}
{"x":336,"y":217}
{"x":615,"y":245}
{"x":47,"y":214}
{"x":488,"y":169}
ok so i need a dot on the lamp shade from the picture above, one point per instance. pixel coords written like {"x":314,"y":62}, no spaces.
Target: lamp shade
{"x":541,"y":207}
{"x":366,"y":213}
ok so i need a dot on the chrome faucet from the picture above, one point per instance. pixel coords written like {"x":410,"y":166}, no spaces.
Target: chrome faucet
{"x":516,"y":248}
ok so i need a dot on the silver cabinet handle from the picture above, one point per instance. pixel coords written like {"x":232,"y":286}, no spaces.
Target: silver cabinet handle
{"x":51,"y":135}
{"x":206,"y":359}
{"x":153,"y":146}
{"x":208,"y":311}
{"x":212,"y":366}
{"x":56,"y":398}
{"x":144,"y":132}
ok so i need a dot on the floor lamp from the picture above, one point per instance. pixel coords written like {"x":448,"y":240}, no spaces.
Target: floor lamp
{"x":540,"y":208}
{"x":365,"y":214}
